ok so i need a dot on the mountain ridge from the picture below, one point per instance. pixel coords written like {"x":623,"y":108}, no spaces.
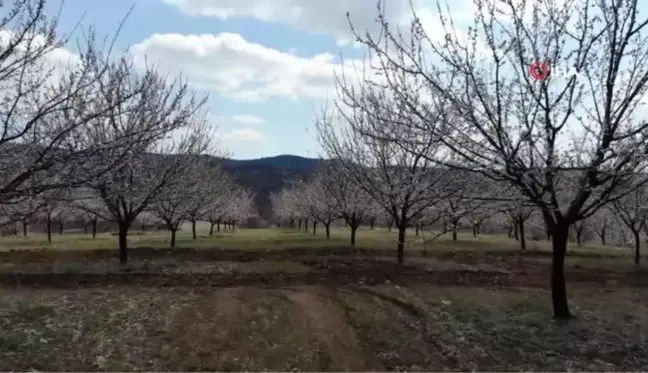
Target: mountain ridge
{"x":269,"y":174}
{"x":281,"y":161}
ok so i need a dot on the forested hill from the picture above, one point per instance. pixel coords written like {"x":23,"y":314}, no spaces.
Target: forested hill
{"x":291,"y":162}
{"x":266,"y":175}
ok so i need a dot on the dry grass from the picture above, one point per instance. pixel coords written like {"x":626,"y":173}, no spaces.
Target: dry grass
{"x":314,"y":328}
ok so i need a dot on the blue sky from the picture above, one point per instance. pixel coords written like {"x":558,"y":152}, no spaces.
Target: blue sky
{"x":268,"y":65}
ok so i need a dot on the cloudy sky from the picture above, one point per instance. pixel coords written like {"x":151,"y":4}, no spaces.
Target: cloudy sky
{"x":267,"y":64}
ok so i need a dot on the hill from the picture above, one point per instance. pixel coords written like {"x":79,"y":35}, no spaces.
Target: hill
{"x":269,"y":174}
{"x":285,"y":162}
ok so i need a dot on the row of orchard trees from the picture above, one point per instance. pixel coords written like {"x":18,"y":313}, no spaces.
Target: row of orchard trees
{"x":331,"y":195}
{"x":385,"y":194}
{"x":101,"y":134}
{"x":200,"y":192}
{"x":432,"y":94}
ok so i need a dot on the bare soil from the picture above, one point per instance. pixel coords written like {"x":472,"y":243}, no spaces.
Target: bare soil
{"x":314,"y":312}
{"x":318,"y":328}
{"x":332,"y":271}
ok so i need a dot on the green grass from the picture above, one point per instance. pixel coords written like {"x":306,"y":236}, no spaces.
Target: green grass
{"x":281,"y":238}
{"x":240,"y":239}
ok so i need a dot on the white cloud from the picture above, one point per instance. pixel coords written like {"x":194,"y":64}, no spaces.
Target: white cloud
{"x":52,"y":65}
{"x":331,"y":17}
{"x":247,"y":119}
{"x":229,"y":65}
{"x":326,"y":17}
{"x":242,"y":134}
{"x":233,"y":67}
{"x":61,"y":55}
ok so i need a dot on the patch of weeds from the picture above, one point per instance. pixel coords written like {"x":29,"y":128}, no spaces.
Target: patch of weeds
{"x":31,"y":314}
{"x":11,"y":344}
{"x":514,"y":331}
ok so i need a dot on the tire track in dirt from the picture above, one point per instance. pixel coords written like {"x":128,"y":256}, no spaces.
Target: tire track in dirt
{"x":327,"y":321}
{"x":196,"y":337}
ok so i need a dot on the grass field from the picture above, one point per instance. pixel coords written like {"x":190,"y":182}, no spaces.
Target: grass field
{"x":257,"y":239}
{"x":282,"y":300}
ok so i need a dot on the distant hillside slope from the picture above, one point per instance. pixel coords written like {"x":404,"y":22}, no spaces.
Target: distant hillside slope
{"x":290,"y":162}
{"x":267,"y":175}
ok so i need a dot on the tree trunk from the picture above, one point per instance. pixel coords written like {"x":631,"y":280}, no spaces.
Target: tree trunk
{"x":173,"y":236}
{"x":314,"y":227}
{"x":211,"y":228}
{"x":143,"y":227}
{"x":94,"y":229}
{"x":372,"y":222}
{"x":478,"y":228}
{"x":85,"y":228}
{"x":328,"y":230}
{"x":637,"y":244}
{"x":354,"y":228}
{"x":474,"y":230}
{"x":602,"y":235}
{"x":510,"y":232}
{"x":24,"y":224}
{"x":522,"y":238}
{"x":299,"y":223}
{"x":579,"y":234}
{"x":49,"y":229}
{"x":417,"y":229}
{"x":401,"y":244}
{"x":346,"y":224}
{"x":218,"y":225}
{"x":306,"y":225}
{"x":516,"y":234}
{"x":193,"y":229}
{"x":559,"y":238}
{"x":61,"y":226}
{"x":123,"y":242}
